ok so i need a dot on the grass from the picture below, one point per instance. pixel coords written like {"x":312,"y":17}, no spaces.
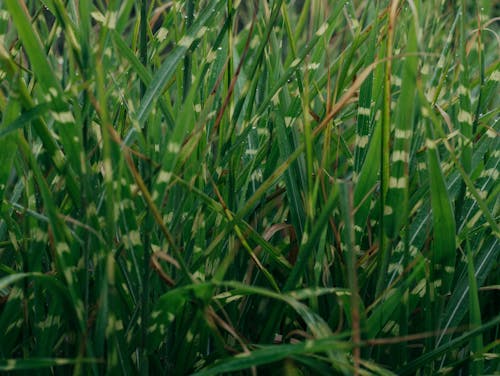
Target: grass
{"x":228,"y":187}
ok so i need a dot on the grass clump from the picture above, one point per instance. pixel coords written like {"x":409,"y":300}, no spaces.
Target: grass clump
{"x":219,"y":186}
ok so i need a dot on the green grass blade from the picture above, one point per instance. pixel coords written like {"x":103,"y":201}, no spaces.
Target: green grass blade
{"x":271,"y":354}
{"x":169,"y":66}
{"x":9,"y":365}
{"x":444,"y":227}
{"x":33,"y":46}
{"x":475,"y":312}
{"x":427,"y":357}
{"x":398,"y":190}
{"x":9,"y":144}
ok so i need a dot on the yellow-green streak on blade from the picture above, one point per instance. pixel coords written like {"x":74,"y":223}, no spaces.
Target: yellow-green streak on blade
{"x":444,"y":244}
{"x":397,"y":194}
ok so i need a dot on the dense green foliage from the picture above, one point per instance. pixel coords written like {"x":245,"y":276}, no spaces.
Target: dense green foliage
{"x":249,"y":187}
